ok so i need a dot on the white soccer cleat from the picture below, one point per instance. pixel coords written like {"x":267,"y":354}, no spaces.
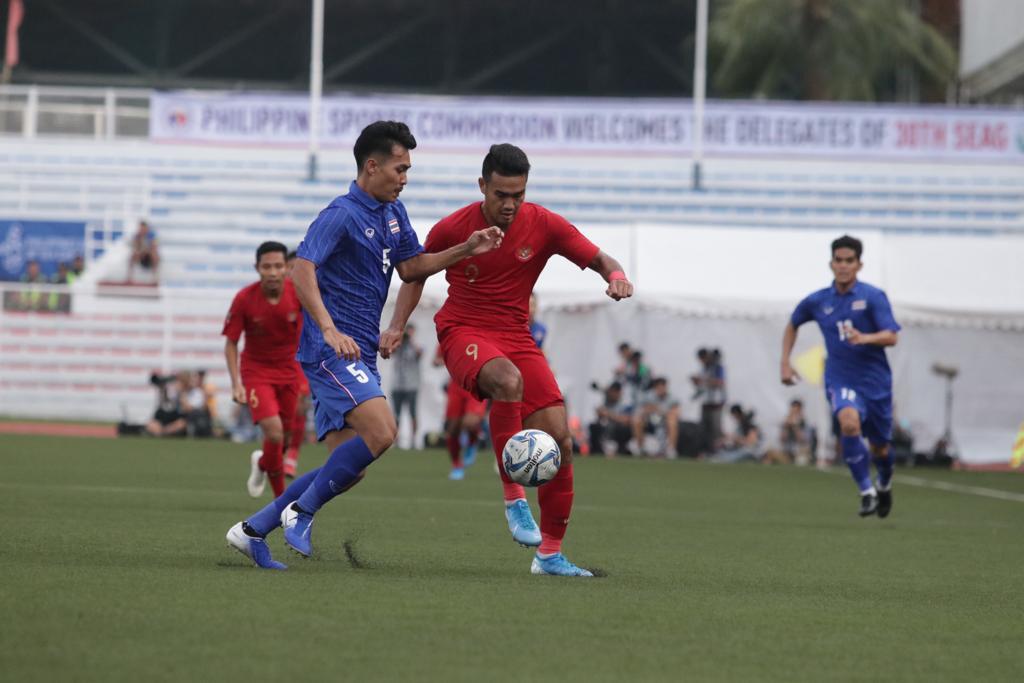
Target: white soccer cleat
{"x":252,"y":547}
{"x":557,"y":565}
{"x":257,"y":477}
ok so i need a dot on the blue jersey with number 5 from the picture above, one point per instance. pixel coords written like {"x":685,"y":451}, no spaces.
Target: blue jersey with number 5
{"x":355,"y":243}
{"x":866,"y":309}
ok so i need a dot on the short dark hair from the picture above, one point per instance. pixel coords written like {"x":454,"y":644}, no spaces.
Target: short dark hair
{"x":615,"y":386}
{"x":797,"y":402}
{"x":659,"y":381}
{"x":847,"y":242}
{"x":507,"y":160}
{"x":269,"y":248}
{"x":380,"y":137}
{"x":624,"y":346}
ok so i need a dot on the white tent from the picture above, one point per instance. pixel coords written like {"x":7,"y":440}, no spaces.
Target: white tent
{"x":960,"y":300}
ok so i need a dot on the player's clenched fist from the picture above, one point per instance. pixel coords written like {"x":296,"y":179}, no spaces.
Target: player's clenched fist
{"x":483,"y":241}
{"x":342,"y":344}
{"x":238,"y":393}
{"x":390,"y":340}
{"x":619,"y":288}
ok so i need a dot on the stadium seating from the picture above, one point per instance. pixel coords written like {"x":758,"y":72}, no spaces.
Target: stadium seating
{"x":212,"y":206}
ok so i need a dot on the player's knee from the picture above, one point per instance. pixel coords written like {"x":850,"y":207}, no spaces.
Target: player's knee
{"x":501,"y":380}
{"x":381,"y":437}
{"x":849,"y":422}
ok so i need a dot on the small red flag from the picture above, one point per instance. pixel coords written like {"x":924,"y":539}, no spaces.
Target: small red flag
{"x":15,"y":13}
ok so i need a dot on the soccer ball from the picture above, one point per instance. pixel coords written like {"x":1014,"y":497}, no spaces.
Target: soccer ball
{"x":531,"y":457}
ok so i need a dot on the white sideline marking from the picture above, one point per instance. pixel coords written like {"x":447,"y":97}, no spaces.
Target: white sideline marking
{"x":952,"y":488}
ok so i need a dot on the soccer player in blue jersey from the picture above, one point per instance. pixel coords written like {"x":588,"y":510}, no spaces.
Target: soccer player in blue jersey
{"x":342,"y":276}
{"x":538,"y":330}
{"x":857,"y":323}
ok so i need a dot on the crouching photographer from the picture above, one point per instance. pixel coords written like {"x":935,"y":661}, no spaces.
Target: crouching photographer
{"x":611,"y":432}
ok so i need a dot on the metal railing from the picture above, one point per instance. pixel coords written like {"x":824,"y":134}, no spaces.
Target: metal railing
{"x":33,"y":111}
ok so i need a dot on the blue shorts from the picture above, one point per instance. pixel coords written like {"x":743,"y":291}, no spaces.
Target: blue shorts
{"x":875,"y":414}
{"x":338,"y":386}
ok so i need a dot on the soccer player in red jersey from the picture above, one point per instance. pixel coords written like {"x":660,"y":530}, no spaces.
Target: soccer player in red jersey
{"x":269,"y":314}
{"x":484,"y":333}
{"x":298,"y":423}
{"x":463,"y":413}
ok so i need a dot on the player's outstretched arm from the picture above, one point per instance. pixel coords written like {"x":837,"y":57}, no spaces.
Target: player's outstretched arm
{"x":408,"y":297}
{"x":788,"y":375}
{"x":308,"y":291}
{"x":231,"y":356}
{"x":619,"y":287}
{"x":423,"y":265}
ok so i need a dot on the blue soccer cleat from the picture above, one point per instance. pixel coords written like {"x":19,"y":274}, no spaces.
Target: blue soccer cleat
{"x":556,"y":565}
{"x":457,"y":474}
{"x":520,"y":523}
{"x":253,"y":547}
{"x":297,"y":527}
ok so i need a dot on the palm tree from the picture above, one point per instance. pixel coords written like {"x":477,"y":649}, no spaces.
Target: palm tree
{"x":822,"y":49}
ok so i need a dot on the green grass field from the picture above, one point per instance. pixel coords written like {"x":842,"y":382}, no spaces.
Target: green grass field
{"x":114,"y":567}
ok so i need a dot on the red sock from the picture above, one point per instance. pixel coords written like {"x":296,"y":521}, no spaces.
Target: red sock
{"x":298,"y":434}
{"x":555,"y":498}
{"x":454,"y":451}
{"x":272,"y":463}
{"x":506,"y":420}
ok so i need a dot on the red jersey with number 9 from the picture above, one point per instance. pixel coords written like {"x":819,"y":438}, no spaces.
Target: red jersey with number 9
{"x":271,"y":334}
{"x":492,"y":291}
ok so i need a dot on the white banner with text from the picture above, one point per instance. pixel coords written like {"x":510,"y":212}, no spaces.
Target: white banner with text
{"x":739,"y":128}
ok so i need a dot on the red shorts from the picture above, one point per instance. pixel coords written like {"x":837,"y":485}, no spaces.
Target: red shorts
{"x":461,"y":402}
{"x":467,"y":349}
{"x":268,"y":400}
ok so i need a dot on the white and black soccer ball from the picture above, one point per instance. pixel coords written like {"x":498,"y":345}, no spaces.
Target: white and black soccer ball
{"x":531,"y":457}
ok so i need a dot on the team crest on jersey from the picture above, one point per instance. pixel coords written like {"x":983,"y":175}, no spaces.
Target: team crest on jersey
{"x":369,"y":232}
{"x":393,"y":226}
{"x":524,"y":253}
{"x":827,"y":310}
{"x":472,"y":271}
{"x":859,"y":305}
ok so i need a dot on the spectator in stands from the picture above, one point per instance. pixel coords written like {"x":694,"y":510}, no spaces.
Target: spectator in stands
{"x":611,"y":432}
{"x":405,"y":390}
{"x":710,"y":389}
{"x":621,"y":370}
{"x":61,"y":276}
{"x":242,"y":429}
{"x":657,"y":415}
{"x":31,"y":298}
{"x":745,"y":442}
{"x":638,"y":379}
{"x":77,"y":266}
{"x":796,"y":438}
{"x":168,"y":419}
{"x":145,"y":252}
{"x":198,"y":422}
{"x":60,"y":301}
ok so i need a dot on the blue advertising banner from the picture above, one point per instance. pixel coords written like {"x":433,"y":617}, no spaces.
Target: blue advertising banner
{"x":48,"y":242}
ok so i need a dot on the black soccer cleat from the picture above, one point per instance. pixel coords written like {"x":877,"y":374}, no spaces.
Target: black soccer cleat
{"x":868,"y":505}
{"x":884,"y":503}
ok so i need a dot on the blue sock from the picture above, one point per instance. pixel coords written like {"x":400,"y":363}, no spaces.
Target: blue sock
{"x":341,"y":469}
{"x":856,"y":457}
{"x":269,"y":518}
{"x":884,"y":467}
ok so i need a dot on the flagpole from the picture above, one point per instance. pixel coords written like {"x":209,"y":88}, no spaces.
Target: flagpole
{"x":316,"y":81}
{"x":700,"y":53}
